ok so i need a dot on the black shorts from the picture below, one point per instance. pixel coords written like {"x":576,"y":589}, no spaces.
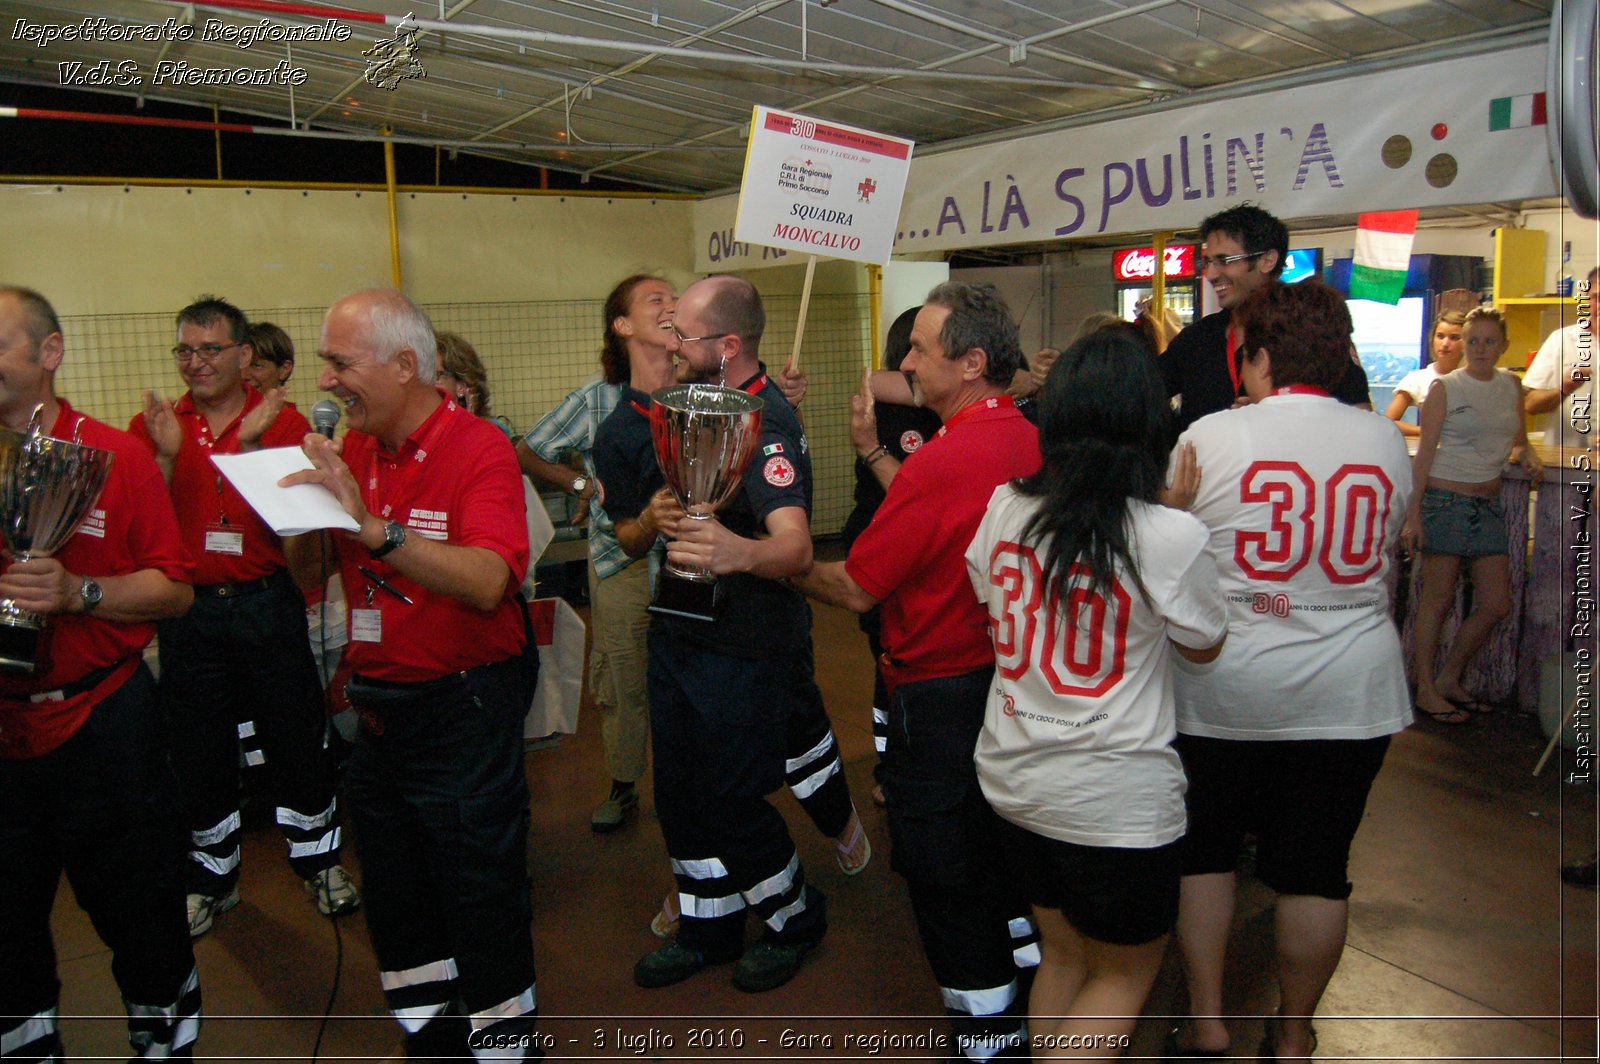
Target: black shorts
{"x":1302,"y":799}
{"x":1115,"y":894}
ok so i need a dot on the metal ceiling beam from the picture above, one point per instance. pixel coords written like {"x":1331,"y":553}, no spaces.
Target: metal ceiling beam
{"x":355,"y":83}
{"x":627,"y":68}
{"x":1478,"y":43}
{"x":958,"y":57}
{"x":657,"y":51}
{"x":1025,"y":43}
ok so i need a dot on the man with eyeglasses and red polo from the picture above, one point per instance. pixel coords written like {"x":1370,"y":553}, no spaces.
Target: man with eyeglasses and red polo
{"x":1244,"y":248}
{"x":245,"y":600}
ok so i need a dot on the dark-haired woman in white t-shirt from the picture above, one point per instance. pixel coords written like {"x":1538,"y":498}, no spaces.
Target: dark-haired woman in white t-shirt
{"x":1092,"y":588}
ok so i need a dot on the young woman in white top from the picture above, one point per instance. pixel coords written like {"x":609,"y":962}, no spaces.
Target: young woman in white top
{"x":1413,"y":387}
{"x":1471,"y":424}
{"x":1092,"y":589}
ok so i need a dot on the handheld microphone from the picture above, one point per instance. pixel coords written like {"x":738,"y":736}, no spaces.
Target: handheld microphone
{"x":324,"y":416}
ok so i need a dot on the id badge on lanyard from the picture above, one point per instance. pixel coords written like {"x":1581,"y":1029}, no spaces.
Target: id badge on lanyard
{"x":366,"y":626}
{"x":221,"y":537}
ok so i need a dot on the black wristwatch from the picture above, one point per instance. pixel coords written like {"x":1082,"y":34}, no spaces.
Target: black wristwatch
{"x":89,"y":591}
{"x":394,"y":534}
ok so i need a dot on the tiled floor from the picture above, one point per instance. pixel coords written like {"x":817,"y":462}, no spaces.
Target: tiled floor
{"x":1463,"y":943}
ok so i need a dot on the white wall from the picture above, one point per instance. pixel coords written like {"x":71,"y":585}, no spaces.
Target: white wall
{"x":111,"y":249}
{"x":1023,"y":288}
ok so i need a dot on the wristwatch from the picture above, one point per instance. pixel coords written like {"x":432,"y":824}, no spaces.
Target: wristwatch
{"x":580,"y":484}
{"x":394,"y":534}
{"x":89,"y":591}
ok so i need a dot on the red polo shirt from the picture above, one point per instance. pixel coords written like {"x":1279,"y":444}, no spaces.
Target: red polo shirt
{"x":208,"y":505}
{"x":912,"y":556}
{"x":456,"y":480}
{"x":131,"y":527}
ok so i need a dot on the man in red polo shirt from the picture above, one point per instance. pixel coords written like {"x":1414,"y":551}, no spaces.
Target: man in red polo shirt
{"x":84,"y":782}
{"x":444,"y":669}
{"x":213,"y":671}
{"x":938,"y":659}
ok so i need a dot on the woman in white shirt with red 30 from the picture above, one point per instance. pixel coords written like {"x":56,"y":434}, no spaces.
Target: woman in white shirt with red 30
{"x":1092,"y":588}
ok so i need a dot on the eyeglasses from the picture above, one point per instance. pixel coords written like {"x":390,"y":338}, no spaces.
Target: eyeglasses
{"x":682,"y":339}
{"x":207,"y":353}
{"x":1219,"y":261}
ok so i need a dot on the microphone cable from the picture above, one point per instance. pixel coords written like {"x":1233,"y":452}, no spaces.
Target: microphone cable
{"x":324,"y":541}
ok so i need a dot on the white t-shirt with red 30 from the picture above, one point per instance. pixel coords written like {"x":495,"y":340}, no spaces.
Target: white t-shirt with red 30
{"x":1076,"y":741}
{"x":1304,"y":498}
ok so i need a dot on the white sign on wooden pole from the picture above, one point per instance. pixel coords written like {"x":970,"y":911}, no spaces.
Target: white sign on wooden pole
{"x":821,"y":188}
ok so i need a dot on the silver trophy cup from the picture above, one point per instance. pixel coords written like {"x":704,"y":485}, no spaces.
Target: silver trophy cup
{"x":47,"y":488}
{"x":704,"y":436}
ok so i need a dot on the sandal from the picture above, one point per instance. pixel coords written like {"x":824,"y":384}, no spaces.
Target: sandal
{"x":1172,"y":1051}
{"x":1471,"y":705}
{"x":1269,"y":1042}
{"x":854,"y":853}
{"x":664,"y":921}
{"x":1454,"y":717}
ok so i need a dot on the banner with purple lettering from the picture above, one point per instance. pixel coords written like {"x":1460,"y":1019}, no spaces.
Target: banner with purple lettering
{"x":821,"y":188}
{"x":1418,"y":136}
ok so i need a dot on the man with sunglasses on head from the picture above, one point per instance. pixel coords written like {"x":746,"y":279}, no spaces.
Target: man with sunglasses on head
{"x":1244,"y":248}
{"x":244,"y":599}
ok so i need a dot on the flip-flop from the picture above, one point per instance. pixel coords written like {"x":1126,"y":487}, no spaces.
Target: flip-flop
{"x":1269,"y":1042}
{"x":1171,"y":1050}
{"x":1454,"y":718}
{"x":1471,"y":705}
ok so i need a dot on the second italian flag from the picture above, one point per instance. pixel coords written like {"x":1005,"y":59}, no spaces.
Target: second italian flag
{"x":1383,"y":254}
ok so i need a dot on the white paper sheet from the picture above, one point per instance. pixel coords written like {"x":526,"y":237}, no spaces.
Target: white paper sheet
{"x":289,"y":511}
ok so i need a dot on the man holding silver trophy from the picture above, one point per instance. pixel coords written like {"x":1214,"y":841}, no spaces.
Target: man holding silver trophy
{"x":724,"y":685}
{"x":84,"y":783}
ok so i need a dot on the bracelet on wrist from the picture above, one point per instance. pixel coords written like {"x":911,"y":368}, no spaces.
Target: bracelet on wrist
{"x":876,"y":453}
{"x":876,"y":458}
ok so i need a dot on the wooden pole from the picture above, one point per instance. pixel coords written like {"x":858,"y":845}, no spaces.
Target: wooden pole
{"x":875,"y":312}
{"x":800,"y":323}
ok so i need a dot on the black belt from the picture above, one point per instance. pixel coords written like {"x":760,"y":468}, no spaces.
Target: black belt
{"x":244,"y":587}
{"x":75,"y":688}
{"x":417,"y":687}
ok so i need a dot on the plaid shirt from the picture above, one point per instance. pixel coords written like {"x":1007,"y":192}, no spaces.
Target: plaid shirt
{"x":572,"y":425}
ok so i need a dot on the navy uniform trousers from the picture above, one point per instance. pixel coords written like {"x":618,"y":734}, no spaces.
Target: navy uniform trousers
{"x":975,"y":930}
{"x":719,"y":725}
{"x":102,"y":807}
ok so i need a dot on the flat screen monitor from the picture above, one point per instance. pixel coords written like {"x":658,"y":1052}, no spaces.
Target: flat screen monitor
{"x":1301,"y":263}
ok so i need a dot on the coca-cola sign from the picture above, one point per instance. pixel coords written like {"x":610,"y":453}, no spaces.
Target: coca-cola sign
{"x":1139,"y":264}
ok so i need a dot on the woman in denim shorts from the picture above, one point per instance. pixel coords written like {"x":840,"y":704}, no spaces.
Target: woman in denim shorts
{"x":1471,"y":424}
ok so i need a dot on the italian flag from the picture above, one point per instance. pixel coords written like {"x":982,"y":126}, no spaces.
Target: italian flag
{"x":1383,"y":253}
{"x":1514,"y":112}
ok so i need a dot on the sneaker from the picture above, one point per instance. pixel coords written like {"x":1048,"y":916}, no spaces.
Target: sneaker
{"x":335,"y":893}
{"x":672,"y":963}
{"x":205,"y":908}
{"x":610,"y":814}
{"x":664,"y":921}
{"x":852,"y":848}
{"x":768,"y":965}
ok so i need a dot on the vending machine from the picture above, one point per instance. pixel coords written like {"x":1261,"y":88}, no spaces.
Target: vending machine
{"x":1134,"y":268}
